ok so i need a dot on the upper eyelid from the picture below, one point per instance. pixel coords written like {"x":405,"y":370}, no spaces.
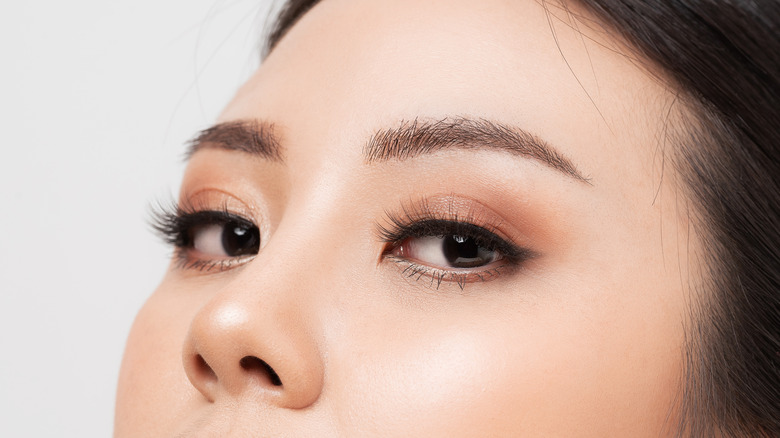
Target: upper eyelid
{"x":416,"y":228}
{"x":450,"y":208}
{"x":217,"y":216}
{"x":211,"y":217}
{"x":211,"y":198}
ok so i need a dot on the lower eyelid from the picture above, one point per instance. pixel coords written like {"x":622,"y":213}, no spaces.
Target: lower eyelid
{"x":205,"y":265}
{"x":437,"y":276}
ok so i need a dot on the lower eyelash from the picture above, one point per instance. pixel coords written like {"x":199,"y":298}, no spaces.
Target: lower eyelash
{"x":416,"y":271}
{"x":183,"y":262}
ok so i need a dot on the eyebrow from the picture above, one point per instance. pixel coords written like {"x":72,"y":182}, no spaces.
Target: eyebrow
{"x":251,"y":136}
{"x":408,"y":140}
{"x":415,"y":138}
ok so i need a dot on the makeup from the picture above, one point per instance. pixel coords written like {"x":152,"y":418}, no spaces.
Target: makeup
{"x":449,"y":239}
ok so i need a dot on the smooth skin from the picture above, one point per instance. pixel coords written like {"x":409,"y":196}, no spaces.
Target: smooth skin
{"x":584,"y":339}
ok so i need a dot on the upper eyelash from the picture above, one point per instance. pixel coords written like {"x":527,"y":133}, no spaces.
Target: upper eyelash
{"x":420,"y":220}
{"x":172,"y":223}
{"x":163,"y":220}
{"x":441,"y":227}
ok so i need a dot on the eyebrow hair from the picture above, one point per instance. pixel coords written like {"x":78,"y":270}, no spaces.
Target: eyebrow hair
{"x":414,"y":138}
{"x":408,"y":140}
{"x":250,"y":136}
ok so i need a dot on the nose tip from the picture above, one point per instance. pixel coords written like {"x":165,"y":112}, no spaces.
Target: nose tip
{"x":238,"y":348}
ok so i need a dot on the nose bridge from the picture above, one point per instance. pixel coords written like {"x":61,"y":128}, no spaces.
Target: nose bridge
{"x":262,"y":331}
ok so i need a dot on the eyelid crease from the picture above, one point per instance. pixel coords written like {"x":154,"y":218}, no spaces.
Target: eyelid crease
{"x":451,"y":208}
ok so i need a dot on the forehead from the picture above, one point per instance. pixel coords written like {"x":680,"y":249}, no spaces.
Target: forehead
{"x":349,"y":67}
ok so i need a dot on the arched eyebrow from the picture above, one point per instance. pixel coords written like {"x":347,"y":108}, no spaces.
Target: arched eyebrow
{"x":408,"y":140}
{"x":416,"y":137}
{"x":251,"y":136}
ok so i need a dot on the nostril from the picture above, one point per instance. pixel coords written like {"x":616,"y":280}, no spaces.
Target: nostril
{"x":203,"y":368}
{"x":254,"y":364}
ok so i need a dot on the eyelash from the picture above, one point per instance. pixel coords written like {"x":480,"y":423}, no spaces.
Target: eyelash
{"x":175,"y":225}
{"x":422,"y":221}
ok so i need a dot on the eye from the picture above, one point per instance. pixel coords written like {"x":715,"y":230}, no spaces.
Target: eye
{"x":453,"y":251}
{"x":450,"y":245}
{"x":229,"y":239}
{"x":450,"y":251}
{"x":208,"y":240}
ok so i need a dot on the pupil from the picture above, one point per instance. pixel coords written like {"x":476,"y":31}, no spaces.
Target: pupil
{"x":463,"y":252}
{"x":239,"y":239}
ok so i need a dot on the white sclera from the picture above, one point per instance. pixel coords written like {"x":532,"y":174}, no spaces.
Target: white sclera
{"x":429,"y":250}
{"x":208,"y":240}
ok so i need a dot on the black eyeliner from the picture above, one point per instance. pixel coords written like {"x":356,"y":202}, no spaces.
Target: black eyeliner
{"x":174,"y":225}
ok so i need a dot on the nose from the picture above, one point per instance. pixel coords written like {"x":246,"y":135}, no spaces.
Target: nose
{"x":247,"y":342}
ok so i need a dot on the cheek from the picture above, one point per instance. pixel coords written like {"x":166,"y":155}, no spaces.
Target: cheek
{"x":424,"y":383}
{"x":538,"y":370}
{"x":152,"y":383}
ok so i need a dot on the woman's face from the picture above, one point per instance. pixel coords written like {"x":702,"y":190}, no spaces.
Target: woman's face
{"x":441,"y":218}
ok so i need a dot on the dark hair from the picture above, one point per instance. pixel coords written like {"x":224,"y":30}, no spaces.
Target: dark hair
{"x":724,"y":57}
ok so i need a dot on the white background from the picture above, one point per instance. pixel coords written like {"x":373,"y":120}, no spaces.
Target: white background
{"x":96,"y":101}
